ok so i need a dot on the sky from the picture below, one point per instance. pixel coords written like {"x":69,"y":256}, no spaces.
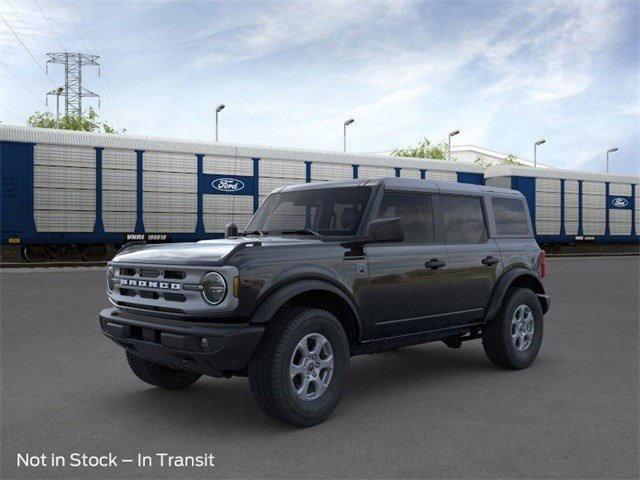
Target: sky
{"x":503,"y":73}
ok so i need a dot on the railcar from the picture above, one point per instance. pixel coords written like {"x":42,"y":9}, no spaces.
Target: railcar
{"x":570,"y":206}
{"x":77,"y":194}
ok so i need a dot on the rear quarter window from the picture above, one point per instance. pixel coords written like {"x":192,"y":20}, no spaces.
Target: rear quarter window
{"x":510,"y":216}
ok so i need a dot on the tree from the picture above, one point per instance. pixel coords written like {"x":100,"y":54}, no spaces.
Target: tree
{"x":424,"y":149}
{"x":86,"y":123}
{"x":485,"y":163}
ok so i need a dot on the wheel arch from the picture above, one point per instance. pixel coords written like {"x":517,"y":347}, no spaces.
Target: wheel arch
{"x":312,"y":293}
{"x":518,"y":277}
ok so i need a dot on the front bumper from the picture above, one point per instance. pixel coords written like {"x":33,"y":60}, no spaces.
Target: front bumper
{"x":226,"y":348}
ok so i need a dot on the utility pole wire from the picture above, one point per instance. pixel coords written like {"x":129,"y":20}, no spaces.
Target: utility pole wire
{"x":25,"y":27}
{"x":108,"y":94}
{"x":73,"y":22}
{"x":22,"y":82}
{"x":10,"y":112}
{"x":27,"y":49}
{"x":51,"y":27}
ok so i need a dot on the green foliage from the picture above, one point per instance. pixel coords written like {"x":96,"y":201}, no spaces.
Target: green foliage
{"x":424,"y":149}
{"x":483,"y":162}
{"x":91,"y":122}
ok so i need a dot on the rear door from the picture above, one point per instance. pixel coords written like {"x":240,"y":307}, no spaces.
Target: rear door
{"x":474,"y":259}
{"x":407,"y":295}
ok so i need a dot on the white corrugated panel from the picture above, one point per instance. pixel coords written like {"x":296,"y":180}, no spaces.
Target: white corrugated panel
{"x":620,"y":189}
{"x":510,"y":170}
{"x":593,"y":228}
{"x":169,"y":162}
{"x":547,"y":199}
{"x":571,"y":199}
{"x":620,"y":221}
{"x":169,"y":182}
{"x":119,"y":159}
{"x":593,"y":188}
{"x":366,"y":171}
{"x":637,"y":211}
{"x":227,"y":165}
{"x":501,"y":182}
{"x":119,"y":201}
{"x":441,"y":175}
{"x":62,"y":177}
{"x":410,"y":173}
{"x":571,"y":228}
{"x":227,"y":204}
{"x":64,"y":220}
{"x":267,"y":185}
{"x":594,"y":201}
{"x":217,"y":223}
{"x":571,"y":216}
{"x":548,"y":213}
{"x":63,"y":199}
{"x":119,"y":221}
{"x":571,"y":186}
{"x":169,"y":222}
{"x":170,"y":202}
{"x":270,"y":168}
{"x":547,"y":227}
{"x":330,"y":171}
{"x":119,"y":180}
{"x":64,"y":156}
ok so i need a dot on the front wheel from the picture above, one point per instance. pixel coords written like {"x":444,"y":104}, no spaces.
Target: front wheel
{"x":298,"y":373}
{"x":513,"y":338}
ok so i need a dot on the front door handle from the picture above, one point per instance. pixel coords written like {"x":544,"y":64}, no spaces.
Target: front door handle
{"x":490,"y":260}
{"x":435,"y":264}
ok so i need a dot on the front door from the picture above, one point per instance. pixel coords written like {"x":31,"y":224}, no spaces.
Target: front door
{"x":409,"y":289}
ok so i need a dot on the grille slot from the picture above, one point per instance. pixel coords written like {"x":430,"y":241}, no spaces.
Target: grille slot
{"x":148,"y":294}
{"x":128,"y":272}
{"x":174,"y":297}
{"x":150,"y":307}
{"x":127,"y":292}
{"x":146,"y":273}
{"x":174,"y":274}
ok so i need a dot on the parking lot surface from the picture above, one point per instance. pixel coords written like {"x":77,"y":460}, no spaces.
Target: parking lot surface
{"x":419,"y":412}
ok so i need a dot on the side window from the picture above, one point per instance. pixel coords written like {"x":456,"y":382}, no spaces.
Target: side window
{"x":510,"y":215}
{"x":415,"y":211}
{"x":463,"y":219}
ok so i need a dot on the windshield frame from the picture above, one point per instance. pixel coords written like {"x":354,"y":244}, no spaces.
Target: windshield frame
{"x":364,"y":220}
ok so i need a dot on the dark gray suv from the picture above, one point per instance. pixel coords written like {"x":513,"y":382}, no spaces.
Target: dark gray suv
{"x":329,"y":270}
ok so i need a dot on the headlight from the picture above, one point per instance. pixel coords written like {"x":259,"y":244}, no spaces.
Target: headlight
{"x":111,"y":273}
{"x":214,"y":288}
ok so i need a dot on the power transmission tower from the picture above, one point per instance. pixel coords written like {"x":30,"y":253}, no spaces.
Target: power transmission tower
{"x":74,"y":92}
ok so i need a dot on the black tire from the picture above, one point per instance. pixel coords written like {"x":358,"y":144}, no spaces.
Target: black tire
{"x":159,"y":375}
{"x":497,"y":334}
{"x":269,"y":366}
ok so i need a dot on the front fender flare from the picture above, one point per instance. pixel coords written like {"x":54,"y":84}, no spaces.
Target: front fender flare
{"x":505,"y":281}
{"x":275,"y":300}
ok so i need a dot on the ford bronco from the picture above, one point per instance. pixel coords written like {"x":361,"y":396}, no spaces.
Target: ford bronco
{"x":329,"y":270}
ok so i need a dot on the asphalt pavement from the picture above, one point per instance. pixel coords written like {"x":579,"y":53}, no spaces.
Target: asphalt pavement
{"x":419,"y":412}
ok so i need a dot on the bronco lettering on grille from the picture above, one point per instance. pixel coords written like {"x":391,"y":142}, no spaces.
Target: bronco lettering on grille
{"x":129,"y":282}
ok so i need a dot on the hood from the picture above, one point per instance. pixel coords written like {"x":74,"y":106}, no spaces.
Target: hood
{"x":204,"y":252}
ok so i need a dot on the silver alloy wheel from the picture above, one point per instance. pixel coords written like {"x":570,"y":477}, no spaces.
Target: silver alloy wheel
{"x":311,"y":366}
{"x":522,"y":328}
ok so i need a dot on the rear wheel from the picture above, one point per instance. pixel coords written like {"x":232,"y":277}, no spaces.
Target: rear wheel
{"x":159,"y":375}
{"x":298,"y":372}
{"x":514,"y":337}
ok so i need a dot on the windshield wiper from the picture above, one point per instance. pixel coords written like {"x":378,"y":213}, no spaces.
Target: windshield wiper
{"x":254,"y":232}
{"x":301,"y":231}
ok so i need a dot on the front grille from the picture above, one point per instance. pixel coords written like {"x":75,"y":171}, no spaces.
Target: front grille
{"x":155,"y":276}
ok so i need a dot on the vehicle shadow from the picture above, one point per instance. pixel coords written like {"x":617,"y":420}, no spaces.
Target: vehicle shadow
{"x":228,"y":403}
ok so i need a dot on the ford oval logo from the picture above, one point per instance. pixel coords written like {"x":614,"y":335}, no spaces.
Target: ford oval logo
{"x":227,"y":184}
{"x":620,"y":202}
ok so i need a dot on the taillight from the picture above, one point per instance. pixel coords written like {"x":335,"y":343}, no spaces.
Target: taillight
{"x":543,"y":264}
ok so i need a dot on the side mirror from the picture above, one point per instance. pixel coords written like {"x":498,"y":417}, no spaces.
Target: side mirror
{"x":231,"y":230}
{"x":385,"y":230}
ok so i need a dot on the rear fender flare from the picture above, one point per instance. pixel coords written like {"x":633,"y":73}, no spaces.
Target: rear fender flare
{"x":515,"y":275}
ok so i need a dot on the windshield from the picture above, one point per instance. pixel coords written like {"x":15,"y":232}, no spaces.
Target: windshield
{"x":321,"y":211}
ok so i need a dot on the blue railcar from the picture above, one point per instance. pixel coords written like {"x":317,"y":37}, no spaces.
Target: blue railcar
{"x":80,"y":190}
{"x":571,"y":206}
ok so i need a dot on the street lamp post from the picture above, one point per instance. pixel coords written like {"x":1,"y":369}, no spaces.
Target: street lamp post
{"x":219,"y":108}
{"x":344,"y":133}
{"x":451,"y":134}
{"x":535,"y":151}
{"x":59,"y":91}
{"x":611,"y":150}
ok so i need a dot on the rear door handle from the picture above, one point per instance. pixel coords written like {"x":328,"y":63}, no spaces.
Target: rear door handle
{"x":435,"y":264}
{"x":490,"y":260}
